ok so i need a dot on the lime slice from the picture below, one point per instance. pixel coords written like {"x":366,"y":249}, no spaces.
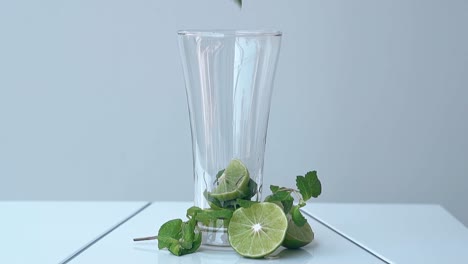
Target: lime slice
{"x":257,"y":231}
{"x":233,"y":183}
{"x":297,"y":236}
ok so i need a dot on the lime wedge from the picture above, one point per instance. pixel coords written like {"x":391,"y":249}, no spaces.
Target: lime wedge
{"x":297,"y":236}
{"x":233,"y":183}
{"x":257,"y":231}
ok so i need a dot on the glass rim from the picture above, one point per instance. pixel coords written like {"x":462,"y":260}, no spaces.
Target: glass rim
{"x":229,"y":33}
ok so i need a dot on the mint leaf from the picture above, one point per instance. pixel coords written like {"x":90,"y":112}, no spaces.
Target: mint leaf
{"x":274,"y":188}
{"x":179,"y":237}
{"x":252,"y":190}
{"x":239,"y":2}
{"x":282,"y":195}
{"x":309,"y":185}
{"x":287,"y":204}
{"x":196,"y":243}
{"x":188,"y":234}
{"x":231,"y":205}
{"x":168,"y":231}
{"x":175,"y":249}
{"x":192,"y":211}
{"x":245,"y":203}
{"x":219,"y":174}
{"x":167,"y":241}
{"x":297,"y":216}
{"x":213,"y":215}
{"x":279,"y":196}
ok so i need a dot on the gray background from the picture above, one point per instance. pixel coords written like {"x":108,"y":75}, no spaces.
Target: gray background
{"x":372,"y":94}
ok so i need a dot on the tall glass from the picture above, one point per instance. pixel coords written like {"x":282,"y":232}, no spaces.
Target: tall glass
{"x":229,"y":81}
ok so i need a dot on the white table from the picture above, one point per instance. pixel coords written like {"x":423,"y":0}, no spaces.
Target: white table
{"x":51,"y":232}
{"x":118,"y":247}
{"x":399,"y":233}
{"x":102,"y":232}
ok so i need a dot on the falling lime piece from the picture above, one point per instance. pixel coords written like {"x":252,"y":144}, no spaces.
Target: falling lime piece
{"x":257,"y":231}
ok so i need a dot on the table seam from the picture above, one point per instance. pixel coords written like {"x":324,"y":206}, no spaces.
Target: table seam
{"x":101,"y":236}
{"x":371,"y":252}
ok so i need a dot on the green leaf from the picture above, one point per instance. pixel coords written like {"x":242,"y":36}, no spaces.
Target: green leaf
{"x":191,"y":237}
{"x":179,"y":237}
{"x":196,"y":243}
{"x":167,"y":241}
{"x":187,"y":234}
{"x":169,"y":230}
{"x":208,"y":215}
{"x":219,"y":174}
{"x":309,"y":185}
{"x":280,"y":196}
{"x":297,"y":216}
{"x":245,"y":203}
{"x":175,"y":249}
{"x":287,"y":204}
{"x":274,"y":188}
{"x":192,"y":211}
{"x":252,"y":190}
{"x":230,"y":204}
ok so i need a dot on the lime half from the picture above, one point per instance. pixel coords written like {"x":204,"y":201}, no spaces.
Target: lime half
{"x":233,"y":183}
{"x":257,"y":231}
{"x":297,"y":236}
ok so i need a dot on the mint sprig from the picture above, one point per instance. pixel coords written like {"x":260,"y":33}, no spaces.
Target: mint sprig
{"x":297,"y":216}
{"x":182,"y":238}
{"x":179,"y":237}
{"x":308,"y":186}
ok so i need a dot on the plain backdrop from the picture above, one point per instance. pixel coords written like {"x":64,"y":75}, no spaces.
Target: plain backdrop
{"x":372,"y":94}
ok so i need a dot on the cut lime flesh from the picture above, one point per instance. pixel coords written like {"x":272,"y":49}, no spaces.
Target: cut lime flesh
{"x":233,"y":183}
{"x":257,"y":231}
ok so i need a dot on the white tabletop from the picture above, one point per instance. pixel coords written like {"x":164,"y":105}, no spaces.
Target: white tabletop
{"x":98,"y":232}
{"x":118,"y":247}
{"x":399,"y":233}
{"x":51,"y":232}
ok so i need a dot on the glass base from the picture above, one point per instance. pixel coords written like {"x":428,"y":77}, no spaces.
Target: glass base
{"x":215,"y":235}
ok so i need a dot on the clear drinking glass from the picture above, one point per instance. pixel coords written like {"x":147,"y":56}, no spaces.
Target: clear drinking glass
{"x":229,"y":80}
